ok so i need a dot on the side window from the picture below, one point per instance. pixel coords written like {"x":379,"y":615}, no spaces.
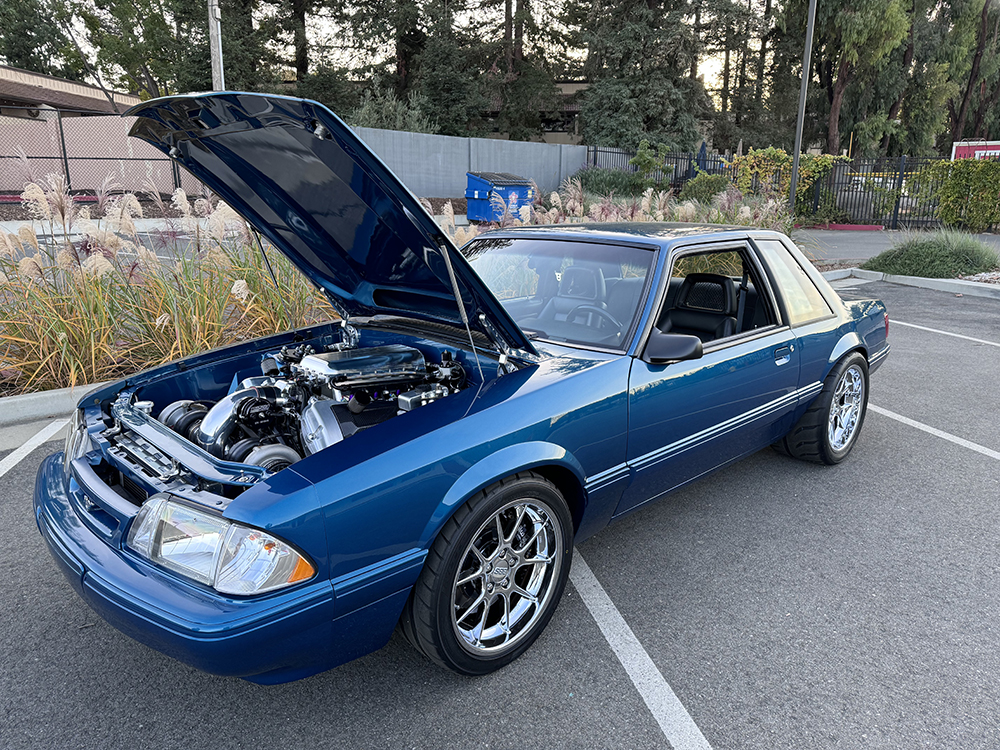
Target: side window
{"x":802,"y":298}
{"x":714,"y":295}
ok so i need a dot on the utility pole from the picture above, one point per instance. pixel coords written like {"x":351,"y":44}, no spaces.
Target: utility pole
{"x":215,"y":42}
{"x":806,"y":67}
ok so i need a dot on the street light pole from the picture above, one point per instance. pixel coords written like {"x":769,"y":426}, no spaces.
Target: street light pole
{"x":806,"y":65}
{"x":215,"y":42}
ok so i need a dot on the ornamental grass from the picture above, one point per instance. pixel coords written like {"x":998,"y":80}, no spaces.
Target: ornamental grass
{"x":85,"y":298}
{"x":573,"y":204}
{"x":944,"y":254}
{"x":97,"y":303}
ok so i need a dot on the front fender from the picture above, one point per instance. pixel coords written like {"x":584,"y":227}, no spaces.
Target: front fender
{"x":493,"y":468}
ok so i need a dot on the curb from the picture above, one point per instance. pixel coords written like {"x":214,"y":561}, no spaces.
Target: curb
{"x":954,"y":286}
{"x":29,"y":407}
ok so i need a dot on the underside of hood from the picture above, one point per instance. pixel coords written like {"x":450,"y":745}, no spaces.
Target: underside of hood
{"x":302,"y":178}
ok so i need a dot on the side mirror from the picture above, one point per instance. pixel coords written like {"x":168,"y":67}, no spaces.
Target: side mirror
{"x":664,"y":348}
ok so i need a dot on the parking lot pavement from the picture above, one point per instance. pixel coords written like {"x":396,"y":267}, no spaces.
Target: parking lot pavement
{"x":787,"y":605}
{"x":947,"y":382}
{"x":72,"y":681}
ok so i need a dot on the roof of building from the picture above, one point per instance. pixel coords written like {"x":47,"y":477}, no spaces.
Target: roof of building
{"x":24,"y":88}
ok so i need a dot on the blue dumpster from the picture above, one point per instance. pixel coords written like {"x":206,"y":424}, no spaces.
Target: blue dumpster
{"x":483,"y":186}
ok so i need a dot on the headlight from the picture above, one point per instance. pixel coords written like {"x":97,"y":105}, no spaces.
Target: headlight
{"x":231,"y":558}
{"x":77,"y":440}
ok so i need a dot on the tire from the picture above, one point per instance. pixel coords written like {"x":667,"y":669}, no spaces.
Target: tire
{"x":827,"y":432}
{"x":493,"y":577}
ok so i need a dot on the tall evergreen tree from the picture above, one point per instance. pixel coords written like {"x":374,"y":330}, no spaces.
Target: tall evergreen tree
{"x":639,"y":54}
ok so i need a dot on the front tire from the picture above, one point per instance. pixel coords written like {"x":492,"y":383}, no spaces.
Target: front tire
{"x":493,"y":577}
{"x":827,"y":432}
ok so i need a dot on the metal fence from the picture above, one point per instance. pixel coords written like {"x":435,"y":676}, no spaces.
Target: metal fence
{"x":895,"y":192}
{"x":90,"y":152}
{"x":678,"y":168}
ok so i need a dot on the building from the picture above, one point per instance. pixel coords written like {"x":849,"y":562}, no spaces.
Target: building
{"x":24,"y":94}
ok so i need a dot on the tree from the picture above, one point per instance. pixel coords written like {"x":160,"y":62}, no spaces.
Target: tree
{"x":333,"y":87}
{"x":30,"y":39}
{"x":852,"y":36}
{"x":160,"y":47}
{"x":639,"y":54}
{"x":382,"y":109}
{"x":445,"y":73}
{"x":978,"y":75}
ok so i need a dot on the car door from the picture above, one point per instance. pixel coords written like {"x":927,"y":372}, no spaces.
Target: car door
{"x":805,"y":307}
{"x":688,"y":418}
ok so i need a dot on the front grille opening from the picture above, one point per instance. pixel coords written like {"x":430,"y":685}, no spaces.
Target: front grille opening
{"x":133,"y":490}
{"x":122,"y":484}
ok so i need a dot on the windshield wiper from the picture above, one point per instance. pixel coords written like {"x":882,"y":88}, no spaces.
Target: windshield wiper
{"x":534,"y":334}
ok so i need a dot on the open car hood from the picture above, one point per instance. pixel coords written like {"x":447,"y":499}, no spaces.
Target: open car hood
{"x":298,"y":174}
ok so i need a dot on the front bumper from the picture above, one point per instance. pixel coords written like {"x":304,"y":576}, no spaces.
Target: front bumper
{"x":268,"y":639}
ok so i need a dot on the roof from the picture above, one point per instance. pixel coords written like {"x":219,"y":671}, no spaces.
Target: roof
{"x":660,"y":231}
{"x":25,"y":88}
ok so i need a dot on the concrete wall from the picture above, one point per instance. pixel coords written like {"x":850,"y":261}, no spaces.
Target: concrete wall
{"x":434,"y":166}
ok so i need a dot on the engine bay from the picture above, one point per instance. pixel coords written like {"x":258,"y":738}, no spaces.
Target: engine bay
{"x":306,"y":400}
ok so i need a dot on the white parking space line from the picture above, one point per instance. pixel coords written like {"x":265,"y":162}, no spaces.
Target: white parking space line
{"x":893,"y":322}
{"x":42,"y":436}
{"x":990,"y":453}
{"x":666,"y":707}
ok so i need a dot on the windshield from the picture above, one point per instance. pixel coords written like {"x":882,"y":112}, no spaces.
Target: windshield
{"x":561,"y":290}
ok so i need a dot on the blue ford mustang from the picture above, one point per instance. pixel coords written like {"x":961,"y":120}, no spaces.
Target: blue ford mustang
{"x":276,"y":508}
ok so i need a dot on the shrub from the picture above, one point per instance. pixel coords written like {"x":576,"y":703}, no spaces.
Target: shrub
{"x":937,"y":255}
{"x":967,"y":191}
{"x":651,"y":164}
{"x":704,"y":187}
{"x":601,"y":181}
{"x":382,"y":109}
{"x":769,"y":171}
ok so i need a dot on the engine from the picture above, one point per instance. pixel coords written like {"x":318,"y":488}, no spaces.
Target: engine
{"x":305,"y":401}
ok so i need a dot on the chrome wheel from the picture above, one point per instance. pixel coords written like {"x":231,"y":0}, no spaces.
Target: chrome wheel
{"x":846,"y":407}
{"x":506,"y":577}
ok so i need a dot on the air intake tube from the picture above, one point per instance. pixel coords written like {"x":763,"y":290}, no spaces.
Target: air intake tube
{"x":251,"y":407}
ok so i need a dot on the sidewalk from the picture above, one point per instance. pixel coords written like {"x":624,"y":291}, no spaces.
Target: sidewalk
{"x":849,"y":244}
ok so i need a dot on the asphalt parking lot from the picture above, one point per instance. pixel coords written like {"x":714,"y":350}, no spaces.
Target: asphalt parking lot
{"x":785,"y":605}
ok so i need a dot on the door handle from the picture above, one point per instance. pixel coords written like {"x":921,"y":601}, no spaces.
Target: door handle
{"x":782,"y":355}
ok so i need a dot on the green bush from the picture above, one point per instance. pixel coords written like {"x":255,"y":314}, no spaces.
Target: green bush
{"x":827,"y":211}
{"x":967,"y":190}
{"x":704,"y":187}
{"x":938,"y":255}
{"x":651,"y":162}
{"x":600,"y":181}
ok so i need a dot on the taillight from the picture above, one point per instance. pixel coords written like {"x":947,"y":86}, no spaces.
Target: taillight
{"x":887,"y":325}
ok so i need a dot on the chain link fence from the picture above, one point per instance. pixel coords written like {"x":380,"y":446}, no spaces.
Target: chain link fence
{"x":93,"y":153}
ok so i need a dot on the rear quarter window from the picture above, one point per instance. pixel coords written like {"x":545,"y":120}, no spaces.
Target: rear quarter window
{"x":803,"y":301}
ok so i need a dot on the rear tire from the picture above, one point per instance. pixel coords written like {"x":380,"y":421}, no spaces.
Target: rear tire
{"x":827,"y":432}
{"x":493,"y":577}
